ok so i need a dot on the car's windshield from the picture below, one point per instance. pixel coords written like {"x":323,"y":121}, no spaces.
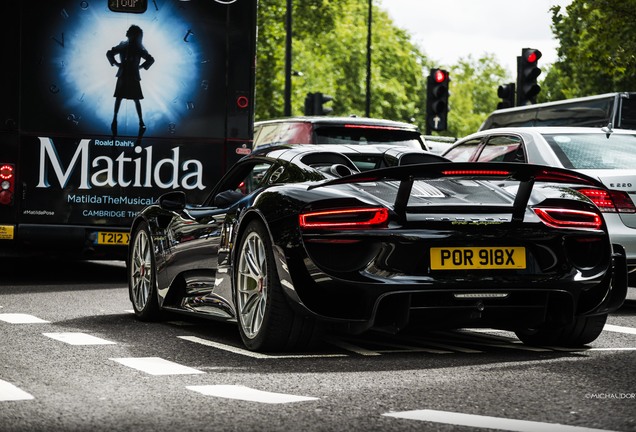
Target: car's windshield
{"x":594,"y":151}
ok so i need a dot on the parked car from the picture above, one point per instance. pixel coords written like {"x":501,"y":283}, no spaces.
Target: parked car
{"x":367,"y":158}
{"x":297,"y":239}
{"x":336,"y":130}
{"x":607,"y":155}
{"x":438,"y":144}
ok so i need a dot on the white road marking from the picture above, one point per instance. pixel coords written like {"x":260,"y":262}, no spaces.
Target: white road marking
{"x":156,"y":366}
{"x":252,"y":354}
{"x":353,"y":348}
{"x":78,"y":339}
{"x":18,"y":318}
{"x":9,"y":392}
{"x":517,"y":347}
{"x":487,"y":331}
{"x":481,"y":334}
{"x":487,"y":422}
{"x":612,"y":349}
{"x":619,"y":329}
{"x":407,"y":348}
{"x":248,"y":394}
{"x":426,"y":341}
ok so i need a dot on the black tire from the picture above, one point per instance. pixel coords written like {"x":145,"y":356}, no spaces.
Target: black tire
{"x":142,"y":278}
{"x":581,"y":331}
{"x":265,"y":319}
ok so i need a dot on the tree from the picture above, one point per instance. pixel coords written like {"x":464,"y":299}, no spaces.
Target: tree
{"x":473,"y":93}
{"x":330,"y":56}
{"x":596,"y":53}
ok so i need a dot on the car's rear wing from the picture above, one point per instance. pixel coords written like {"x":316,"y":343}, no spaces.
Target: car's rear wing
{"x":525,"y":174}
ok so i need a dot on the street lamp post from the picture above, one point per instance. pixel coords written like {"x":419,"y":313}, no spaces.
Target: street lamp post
{"x":288,"y":59}
{"x":368,"y":102}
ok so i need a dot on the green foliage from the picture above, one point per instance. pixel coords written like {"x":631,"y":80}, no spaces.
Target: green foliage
{"x":473,"y":91}
{"x":597,"y":52}
{"x":329,"y":53}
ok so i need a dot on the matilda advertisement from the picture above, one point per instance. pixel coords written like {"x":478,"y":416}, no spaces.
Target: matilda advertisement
{"x":124,"y":100}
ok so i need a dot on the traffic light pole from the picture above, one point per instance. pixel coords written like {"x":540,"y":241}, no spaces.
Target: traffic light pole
{"x":368,"y":101}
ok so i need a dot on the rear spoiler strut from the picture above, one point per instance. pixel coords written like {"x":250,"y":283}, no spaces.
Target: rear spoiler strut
{"x":526,"y":174}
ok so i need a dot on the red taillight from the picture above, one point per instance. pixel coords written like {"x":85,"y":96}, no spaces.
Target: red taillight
{"x":567,"y":218}
{"x":611,"y":201}
{"x":345,"y":218}
{"x":6,"y":172}
{"x":622,"y":201}
{"x":7,"y":184}
{"x":242,"y":102}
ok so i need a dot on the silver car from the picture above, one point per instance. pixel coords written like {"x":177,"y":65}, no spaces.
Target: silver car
{"x":608,"y":155}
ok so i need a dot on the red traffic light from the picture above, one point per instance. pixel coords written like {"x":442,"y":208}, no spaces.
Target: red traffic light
{"x":532,"y":55}
{"x":440,"y":76}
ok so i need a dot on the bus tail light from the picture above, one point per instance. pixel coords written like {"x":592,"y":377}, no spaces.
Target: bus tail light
{"x":7,"y":184}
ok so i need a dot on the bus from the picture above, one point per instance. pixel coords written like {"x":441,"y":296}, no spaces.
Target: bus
{"x":613,"y":110}
{"x":107,"y":104}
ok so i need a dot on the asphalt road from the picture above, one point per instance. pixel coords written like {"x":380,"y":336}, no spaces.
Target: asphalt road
{"x":74,"y":358}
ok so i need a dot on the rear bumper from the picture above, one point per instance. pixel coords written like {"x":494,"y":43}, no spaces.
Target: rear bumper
{"x":505,"y":303}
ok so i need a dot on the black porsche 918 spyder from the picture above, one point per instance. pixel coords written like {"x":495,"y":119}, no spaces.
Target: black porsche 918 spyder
{"x":297,"y":239}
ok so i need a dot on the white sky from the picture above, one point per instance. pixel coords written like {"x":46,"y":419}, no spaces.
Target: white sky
{"x":447,"y":30}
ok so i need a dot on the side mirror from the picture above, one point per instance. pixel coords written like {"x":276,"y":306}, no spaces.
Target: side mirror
{"x":173,"y":201}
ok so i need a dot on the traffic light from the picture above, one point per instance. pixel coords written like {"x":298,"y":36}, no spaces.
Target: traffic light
{"x":309,"y":104}
{"x":314,"y":104}
{"x":320,"y":100}
{"x":437,"y":100}
{"x":507,"y":94}
{"x":527,"y":73}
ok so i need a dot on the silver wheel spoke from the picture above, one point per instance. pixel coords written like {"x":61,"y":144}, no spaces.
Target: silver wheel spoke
{"x":252,"y":258}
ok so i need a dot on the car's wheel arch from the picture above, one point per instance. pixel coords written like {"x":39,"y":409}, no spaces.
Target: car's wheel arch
{"x":281,"y":267}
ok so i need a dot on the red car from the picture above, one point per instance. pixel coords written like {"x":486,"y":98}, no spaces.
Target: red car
{"x":336,"y":130}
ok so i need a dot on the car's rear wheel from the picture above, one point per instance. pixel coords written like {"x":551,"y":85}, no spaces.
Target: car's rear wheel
{"x":581,"y":331}
{"x":142,"y":282}
{"x":266,"y":320}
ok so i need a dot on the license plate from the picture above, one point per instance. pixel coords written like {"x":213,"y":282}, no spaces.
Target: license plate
{"x":478,"y":258}
{"x":112,"y":238}
{"x":6,"y":232}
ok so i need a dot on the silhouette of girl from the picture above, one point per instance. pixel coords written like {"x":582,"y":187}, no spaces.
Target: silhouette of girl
{"x":130,"y":52}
